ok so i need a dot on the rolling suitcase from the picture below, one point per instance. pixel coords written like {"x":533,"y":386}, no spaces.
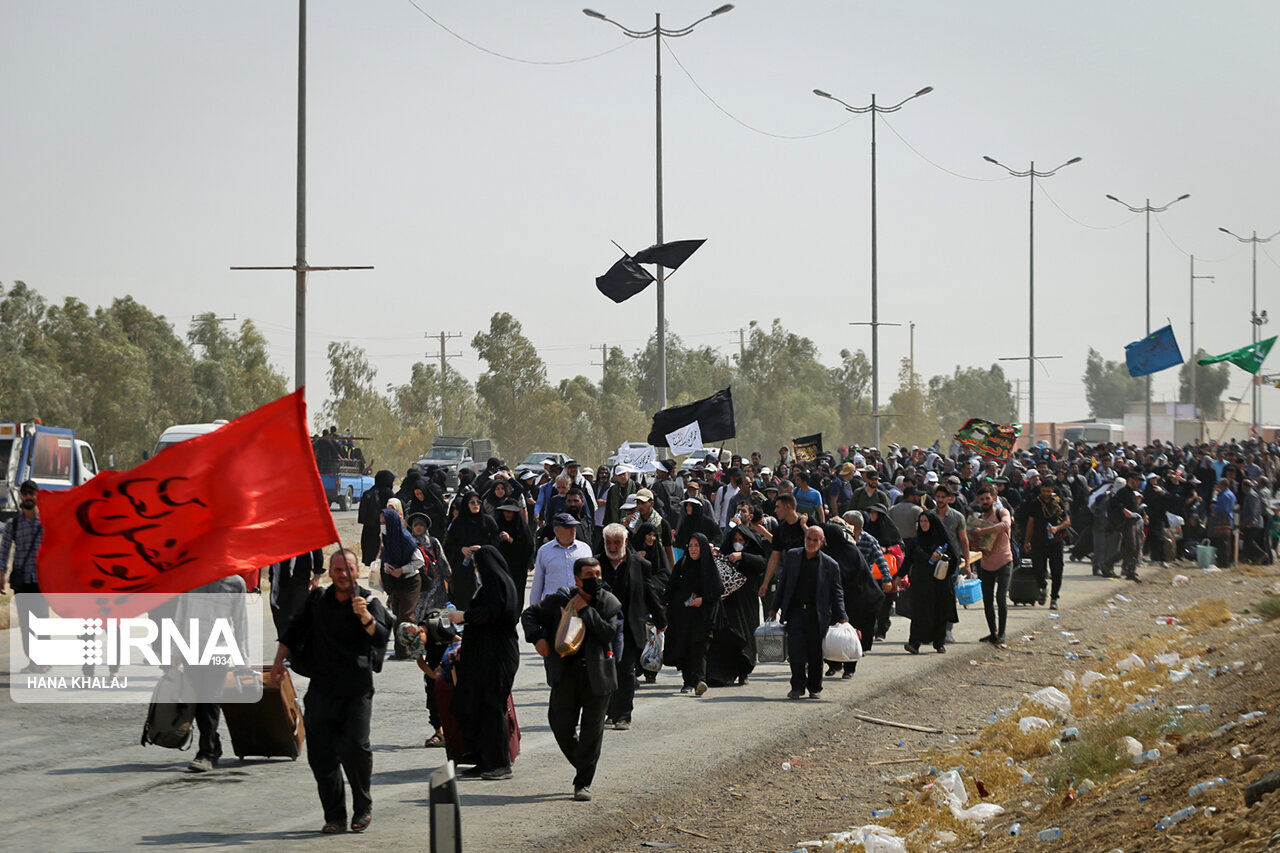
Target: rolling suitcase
{"x":1024,"y":587}
{"x":270,"y":727}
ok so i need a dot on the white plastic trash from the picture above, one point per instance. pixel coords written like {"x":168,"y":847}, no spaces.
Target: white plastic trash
{"x":1032,"y":724}
{"x":1053,"y":699}
{"x":1091,"y":678}
{"x":1129,"y":746}
{"x":1131,"y":662}
{"x":1169,"y":659}
{"x":841,"y":644}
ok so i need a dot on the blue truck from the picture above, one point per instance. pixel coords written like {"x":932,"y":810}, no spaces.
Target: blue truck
{"x":52,"y":457}
{"x":342,"y":469}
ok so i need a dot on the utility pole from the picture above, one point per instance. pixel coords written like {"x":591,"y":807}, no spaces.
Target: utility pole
{"x":1256,"y":320}
{"x":742,"y":345}
{"x":912,"y":360}
{"x":1017,"y":400}
{"x":604,"y":362}
{"x":445,"y":355}
{"x":300,"y":266}
{"x":1195,"y":397}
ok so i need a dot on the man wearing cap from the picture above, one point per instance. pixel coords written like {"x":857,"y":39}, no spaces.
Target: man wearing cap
{"x":553,"y":567}
{"x":839,"y":493}
{"x":574,"y":471}
{"x":626,"y":575}
{"x":870,"y":494}
{"x":645,"y":513}
{"x":22,"y":535}
{"x":616,"y":494}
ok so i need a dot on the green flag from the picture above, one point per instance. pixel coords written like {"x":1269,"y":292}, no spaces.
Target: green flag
{"x":1248,"y":358}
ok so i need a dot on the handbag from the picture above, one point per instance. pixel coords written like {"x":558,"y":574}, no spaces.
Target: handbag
{"x":570,"y":632}
{"x":732,"y":579}
{"x":771,"y":643}
{"x":651,"y":657}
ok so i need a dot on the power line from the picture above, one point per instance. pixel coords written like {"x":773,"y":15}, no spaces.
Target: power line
{"x":1077,"y":221}
{"x":750,"y":127}
{"x":1175,"y":245}
{"x":932,"y":163}
{"x":484,"y":49}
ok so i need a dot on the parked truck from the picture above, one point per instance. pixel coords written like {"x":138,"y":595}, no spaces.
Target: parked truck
{"x":52,"y":457}
{"x":453,"y":454}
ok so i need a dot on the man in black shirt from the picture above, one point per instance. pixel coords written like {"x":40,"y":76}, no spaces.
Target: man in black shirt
{"x":1124,"y":517}
{"x":787,"y":535}
{"x":626,"y":574}
{"x":1047,"y":522}
{"x":810,"y":599}
{"x":342,"y":634}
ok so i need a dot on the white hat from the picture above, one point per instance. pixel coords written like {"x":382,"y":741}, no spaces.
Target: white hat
{"x":764,"y":472}
{"x":625,"y":468}
{"x":548,"y":461}
{"x":931,"y":477}
{"x":630,"y":502}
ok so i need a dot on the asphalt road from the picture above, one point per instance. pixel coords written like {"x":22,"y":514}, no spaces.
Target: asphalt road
{"x":75,"y":778}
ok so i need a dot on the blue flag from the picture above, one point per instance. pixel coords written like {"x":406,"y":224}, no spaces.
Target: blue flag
{"x":1153,"y":353}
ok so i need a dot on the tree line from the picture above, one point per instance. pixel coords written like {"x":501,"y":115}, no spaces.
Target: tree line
{"x":121,"y":374}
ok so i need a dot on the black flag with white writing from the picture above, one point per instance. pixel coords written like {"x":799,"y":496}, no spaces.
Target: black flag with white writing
{"x":714,"y":416}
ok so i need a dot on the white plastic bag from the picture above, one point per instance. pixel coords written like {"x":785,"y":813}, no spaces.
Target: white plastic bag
{"x":1130,"y":662}
{"x":651,"y":657}
{"x":1053,"y":699}
{"x":841,"y":644}
{"x":1031,"y":724}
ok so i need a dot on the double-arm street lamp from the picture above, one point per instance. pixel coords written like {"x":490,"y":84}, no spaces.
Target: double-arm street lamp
{"x":875,"y":323}
{"x":657,"y":32}
{"x":1148,"y":210}
{"x":1031,"y":173}
{"x":1256,"y":320}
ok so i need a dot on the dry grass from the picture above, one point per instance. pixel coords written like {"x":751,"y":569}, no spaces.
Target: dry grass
{"x":1205,"y":614}
{"x":1269,"y":607}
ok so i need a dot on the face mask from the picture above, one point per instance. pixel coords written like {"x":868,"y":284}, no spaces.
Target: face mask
{"x":591,"y":586}
{"x":738,"y":546}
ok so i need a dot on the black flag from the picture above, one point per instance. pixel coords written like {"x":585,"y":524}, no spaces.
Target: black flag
{"x":669,"y":255}
{"x":624,"y":280}
{"x":714,"y":415}
{"x":808,"y":447}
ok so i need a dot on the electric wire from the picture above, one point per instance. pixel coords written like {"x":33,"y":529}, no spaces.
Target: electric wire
{"x":508,"y":57}
{"x":1040,"y":186}
{"x":1175,"y":245}
{"x":938,"y":166}
{"x":739,"y":121}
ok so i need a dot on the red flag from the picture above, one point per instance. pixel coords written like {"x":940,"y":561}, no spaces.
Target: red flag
{"x":229,"y":502}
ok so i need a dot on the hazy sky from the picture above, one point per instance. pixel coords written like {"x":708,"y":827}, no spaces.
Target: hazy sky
{"x":148,"y":146}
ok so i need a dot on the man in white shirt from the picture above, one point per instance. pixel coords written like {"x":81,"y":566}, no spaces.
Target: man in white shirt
{"x":553,"y":567}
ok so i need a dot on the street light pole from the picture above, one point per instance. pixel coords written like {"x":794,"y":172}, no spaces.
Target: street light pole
{"x":1195,"y":397}
{"x":656,"y":33}
{"x":1147,"y":209}
{"x":1255,"y":320}
{"x":1031,"y":174}
{"x":875,"y":323}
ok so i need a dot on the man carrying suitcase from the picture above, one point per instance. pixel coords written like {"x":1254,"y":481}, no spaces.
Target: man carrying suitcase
{"x":342,"y":634}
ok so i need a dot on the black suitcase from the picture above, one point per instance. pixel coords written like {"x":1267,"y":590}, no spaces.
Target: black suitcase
{"x":1024,"y":587}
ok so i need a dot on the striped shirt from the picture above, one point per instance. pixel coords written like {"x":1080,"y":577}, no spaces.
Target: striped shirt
{"x":25,"y":533}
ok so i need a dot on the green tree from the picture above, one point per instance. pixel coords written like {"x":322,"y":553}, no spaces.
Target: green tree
{"x":356,"y":408}
{"x":621,"y":416}
{"x":527,"y":413}
{"x":1108,"y":386}
{"x":780,"y":392}
{"x":691,"y":373}
{"x":911,"y":421}
{"x":971,"y":392}
{"x":431,"y":407}
{"x":233,"y":374}
{"x":32,"y":384}
{"x":1211,"y":383}
{"x":849,"y":384}
{"x":584,"y":437}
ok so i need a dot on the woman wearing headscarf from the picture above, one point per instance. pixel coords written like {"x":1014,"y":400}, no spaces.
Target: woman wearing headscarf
{"x":369,"y":514}
{"x":881,"y":528}
{"x":933,"y":600}
{"x":862,"y":594}
{"x":515,"y":543}
{"x":732,"y":653}
{"x":467,"y":533}
{"x":499,"y":493}
{"x":645,"y":541}
{"x":487,"y":663}
{"x":695,"y":520}
{"x":425,"y":497}
{"x":402,"y":567}
{"x":693,"y":611}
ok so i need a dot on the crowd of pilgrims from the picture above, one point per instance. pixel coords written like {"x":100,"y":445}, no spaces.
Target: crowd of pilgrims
{"x":693,"y":554}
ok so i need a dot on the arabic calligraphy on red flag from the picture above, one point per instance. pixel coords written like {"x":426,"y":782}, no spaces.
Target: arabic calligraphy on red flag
{"x":229,"y":502}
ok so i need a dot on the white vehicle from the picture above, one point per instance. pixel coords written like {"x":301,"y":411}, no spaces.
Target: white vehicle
{"x":182,"y":432}
{"x":1094,"y":433}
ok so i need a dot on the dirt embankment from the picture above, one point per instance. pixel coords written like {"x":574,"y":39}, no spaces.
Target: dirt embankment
{"x":834,"y":777}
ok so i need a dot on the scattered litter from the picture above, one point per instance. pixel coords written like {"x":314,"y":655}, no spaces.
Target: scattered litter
{"x":1250,"y":717}
{"x":1180,"y":814}
{"x":1131,"y":662}
{"x":1028,"y":637}
{"x":1031,"y":724}
{"x":1128,"y":745}
{"x":1052,"y":698}
{"x":1200,"y":787}
{"x":786,"y":765}
{"x":1015,"y":829}
{"x":1179,"y":580}
{"x":1169,"y":659}
{"x":1176,"y":675}
{"x":1146,"y":757}
{"x":1049,"y":834}
{"x":1167,"y":620}
{"x":1224,"y":728}
{"x":1090,"y":678}
{"x":1085,"y":787}
{"x":1070,"y":733}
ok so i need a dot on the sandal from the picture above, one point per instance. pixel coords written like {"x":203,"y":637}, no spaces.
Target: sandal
{"x":434,"y":741}
{"x":359,"y":824}
{"x":333,"y":828}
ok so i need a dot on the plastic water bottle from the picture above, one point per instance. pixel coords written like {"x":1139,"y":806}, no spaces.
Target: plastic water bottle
{"x":1070,"y":733}
{"x":887,"y":812}
{"x":1224,"y":728}
{"x":1203,"y":709}
{"x":1016,"y":829}
{"x":1198,"y":789}
{"x":1049,"y":834}
{"x":449,"y":608}
{"x":1252,"y":715}
{"x":1180,"y":814}
{"x":1146,"y":757}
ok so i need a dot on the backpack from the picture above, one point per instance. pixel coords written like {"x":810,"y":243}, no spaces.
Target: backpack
{"x":169,"y":724}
